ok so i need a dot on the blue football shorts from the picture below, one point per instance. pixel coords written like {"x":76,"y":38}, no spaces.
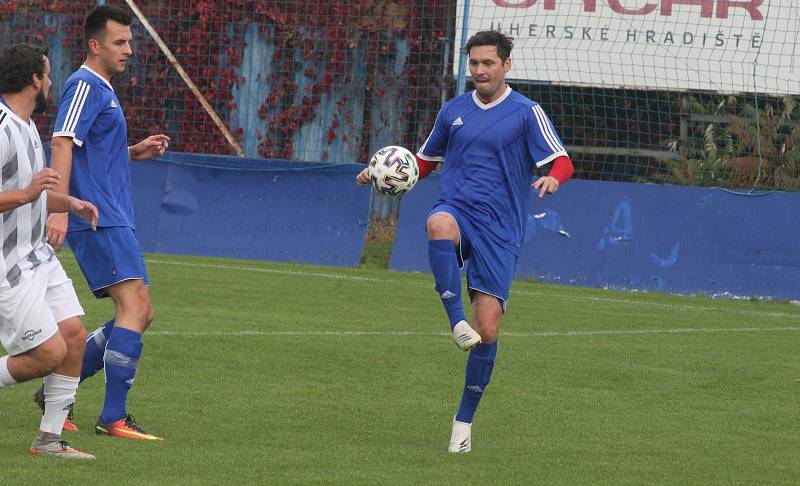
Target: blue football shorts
{"x":490,"y":265}
{"x":108,"y":256}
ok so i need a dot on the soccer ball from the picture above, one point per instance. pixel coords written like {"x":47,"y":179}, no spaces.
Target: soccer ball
{"x":393,"y":170}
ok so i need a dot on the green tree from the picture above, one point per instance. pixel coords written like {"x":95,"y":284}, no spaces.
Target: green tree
{"x":738,"y":144}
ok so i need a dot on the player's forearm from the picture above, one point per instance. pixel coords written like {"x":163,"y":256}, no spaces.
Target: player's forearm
{"x":13,"y":200}
{"x":57,"y":202}
{"x":61,"y":162}
{"x":135,"y":154}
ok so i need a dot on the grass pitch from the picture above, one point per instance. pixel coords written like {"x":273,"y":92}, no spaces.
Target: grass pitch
{"x":263,"y":373}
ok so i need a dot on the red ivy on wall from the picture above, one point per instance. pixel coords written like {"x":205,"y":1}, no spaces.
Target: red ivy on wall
{"x":321,"y":42}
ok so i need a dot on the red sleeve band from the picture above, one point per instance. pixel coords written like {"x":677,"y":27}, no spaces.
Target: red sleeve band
{"x":561,"y":169}
{"x":425,"y":167}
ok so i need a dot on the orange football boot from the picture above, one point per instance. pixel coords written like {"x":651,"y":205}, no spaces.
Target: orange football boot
{"x":126,"y":428}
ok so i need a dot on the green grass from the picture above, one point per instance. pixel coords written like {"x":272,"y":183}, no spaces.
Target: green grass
{"x":263,"y":373}
{"x":378,"y":246}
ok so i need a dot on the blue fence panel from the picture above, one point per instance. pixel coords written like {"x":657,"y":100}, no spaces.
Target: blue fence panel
{"x":149,"y":185}
{"x":643,"y":237}
{"x":410,"y":249}
{"x":266,"y":210}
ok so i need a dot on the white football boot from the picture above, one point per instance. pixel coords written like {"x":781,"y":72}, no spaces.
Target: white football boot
{"x":460,"y":438}
{"x":56,"y":448}
{"x":465,"y":337}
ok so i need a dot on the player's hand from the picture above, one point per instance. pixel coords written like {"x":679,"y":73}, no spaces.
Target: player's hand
{"x":362,"y":178}
{"x":44,"y":180}
{"x":56,"y":229}
{"x":546,"y":185}
{"x":84,"y":210}
{"x":150,"y":147}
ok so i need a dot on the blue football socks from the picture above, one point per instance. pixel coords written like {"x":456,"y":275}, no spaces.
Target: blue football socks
{"x":479,"y":371}
{"x":121,"y":357}
{"x":95,"y":348}
{"x":444,"y":265}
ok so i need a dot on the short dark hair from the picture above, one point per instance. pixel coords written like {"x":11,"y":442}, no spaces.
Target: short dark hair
{"x":503,"y":43}
{"x":95,"y":22}
{"x":20,"y":62}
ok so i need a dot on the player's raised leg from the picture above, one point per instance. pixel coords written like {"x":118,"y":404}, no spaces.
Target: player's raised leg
{"x":134,"y":314}
{"x":443,"y":239}
{"x":487,"y":312}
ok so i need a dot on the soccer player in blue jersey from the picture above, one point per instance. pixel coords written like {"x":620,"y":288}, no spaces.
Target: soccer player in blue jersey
{"x":491,"y":140}
{"x":90,"y":151}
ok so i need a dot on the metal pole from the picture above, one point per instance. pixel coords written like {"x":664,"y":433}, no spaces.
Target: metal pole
{"x":186,"y":79}
{"x":446,"y":41}
{"x":461,"y":80}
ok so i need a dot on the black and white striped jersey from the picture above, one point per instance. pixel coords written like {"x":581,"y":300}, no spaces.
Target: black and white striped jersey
{"x":22,"y":230}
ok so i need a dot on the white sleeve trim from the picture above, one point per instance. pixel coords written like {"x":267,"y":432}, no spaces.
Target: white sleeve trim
{"x":71,"y":135}
{"x":422,"y":149}
{"x":76,"y":107}
{"x":551,"y":158}
{"x":429,"y":158}
{"x":546,"y":130}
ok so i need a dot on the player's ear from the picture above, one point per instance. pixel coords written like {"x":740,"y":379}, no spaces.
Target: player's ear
{"x":507,"y":64}
{"x":36,"y":81}
{"x":93,"y":46}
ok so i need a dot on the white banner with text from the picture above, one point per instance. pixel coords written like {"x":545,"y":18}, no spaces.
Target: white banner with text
{"x":726,"y":46}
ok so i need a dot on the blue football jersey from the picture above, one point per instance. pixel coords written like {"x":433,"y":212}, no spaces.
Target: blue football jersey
{"x":490,"y":153}
{"x":90,"y":113}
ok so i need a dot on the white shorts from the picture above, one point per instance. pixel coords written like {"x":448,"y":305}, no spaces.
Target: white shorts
{"x":29,"y":312}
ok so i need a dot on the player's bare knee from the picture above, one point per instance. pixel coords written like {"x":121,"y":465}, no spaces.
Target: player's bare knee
{"x":135,"y":306}
{"x":141,"y":315}
{"x":488,"y":335}
{"x":76,"y":346}
{"x":76,"y":342}
{"x":144,"y":307}
{"x":442,"y":226}
{"x":50,"y":354}
{"x":149,"y":317}
{"x":488,"y":328}
{"x":73,"y":332}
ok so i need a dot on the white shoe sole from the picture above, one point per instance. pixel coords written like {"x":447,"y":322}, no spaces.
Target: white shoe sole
{"x":63,"y":454}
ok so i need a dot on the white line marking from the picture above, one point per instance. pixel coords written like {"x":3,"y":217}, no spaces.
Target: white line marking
{"x":612,"y":332}
{"x":297,"y":273}
{"x":356,"y":278}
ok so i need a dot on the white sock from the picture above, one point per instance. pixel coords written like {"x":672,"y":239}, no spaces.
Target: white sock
{"x":59,"y":394}
{"x":5,"y":376}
